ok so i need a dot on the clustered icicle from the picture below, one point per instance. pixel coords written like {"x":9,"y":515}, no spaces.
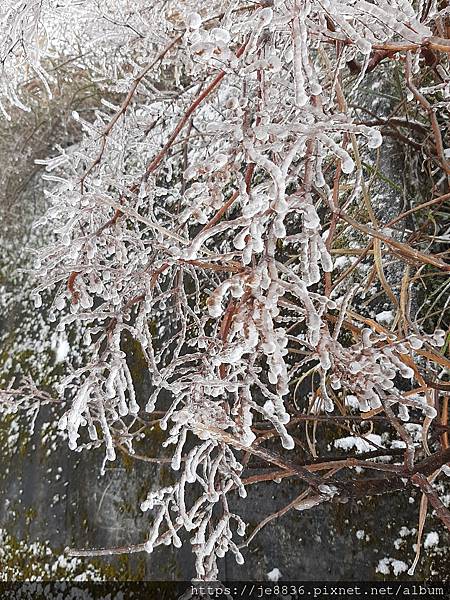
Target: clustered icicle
{"x":173,"y":209}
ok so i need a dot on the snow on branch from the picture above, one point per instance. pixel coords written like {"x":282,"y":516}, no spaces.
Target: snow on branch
{"x":206,"y":196}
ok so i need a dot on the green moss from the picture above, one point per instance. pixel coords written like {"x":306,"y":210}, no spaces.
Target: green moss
{"x":23,"y":560}
{"x":128,"y":462}
{"x":135,"y":359}
{"x":166,"y":476}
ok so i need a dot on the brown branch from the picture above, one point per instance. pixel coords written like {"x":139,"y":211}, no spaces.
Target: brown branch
{"x":444,"y":422}
{"x":125,"y":104}
{"x":152,"y":166}
{"x":438,"y":200}
{"x":219,"y":214}
{"x":432,"y":115}
{"x":366,"y":487}
{"x":403,"y":249}
{"x":105,"y":551}
{"x":71,"y":286}
{"x":441,"y":510}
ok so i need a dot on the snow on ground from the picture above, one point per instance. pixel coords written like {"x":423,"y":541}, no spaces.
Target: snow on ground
{"x":389,"y":565}
{"x":431,"y":539}
{"x":274,"y":575}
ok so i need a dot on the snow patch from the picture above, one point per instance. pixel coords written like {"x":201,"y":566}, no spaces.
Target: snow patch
{"x":274,"y":575}
{"x":61,"y":350}
{"x":361,"y":444}
{"x":385,"y":316}
{"x":431,"y":539}
{"x":387,"y":565}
